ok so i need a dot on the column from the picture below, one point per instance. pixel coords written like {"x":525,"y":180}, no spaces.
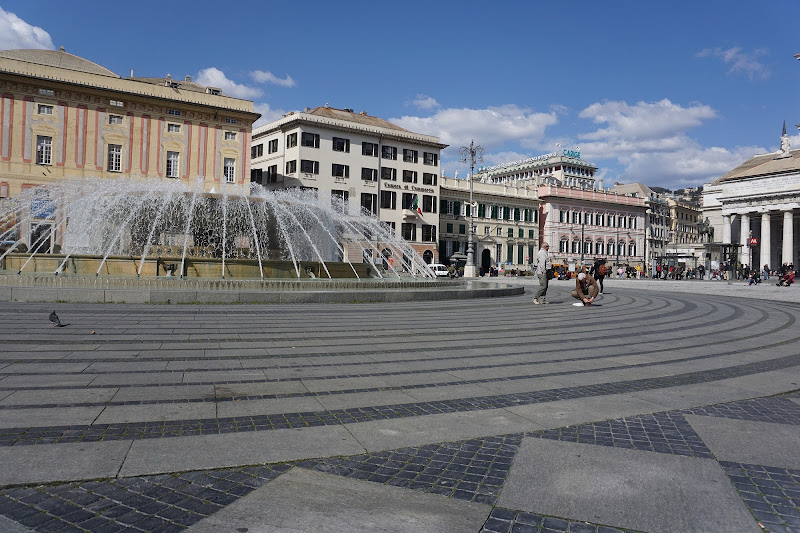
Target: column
{"x":744,"y":238}
{"x":788,"y":237}
{"x":765,"y":241}
{"x":726,"y":229}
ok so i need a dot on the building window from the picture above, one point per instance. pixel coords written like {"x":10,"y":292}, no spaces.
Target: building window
{"x":256,"y":175}
{"x":408,"y":230}
{"x":389,"y":152}
{"x":369,"y":174}
{"x":576,"y":247}
{"x":341,"y":145}
{"x":410,"y":156}
{"x":409,"y":176}
{"x":598,"y":247}
{"x":116,"y":103}
{"x":257,"y":151}
{"x":175,"y":112}
{"x":369,"y":203}
{"x":172,"y":164}
{"x":428,"y":204}
{"x":448,"y":227}
{"x":310,"y":139}
{"x":462,"y":229}
{"x":428,"y":233}
{"x":44,"y":150}
{"x":531,"y":234}
{"x":521,"y":233}
{"x":408,"y":200}
{"x":173,"y":128}
{"x":388,"y":200}
{"x":230,"y":135}
{"x":47,"y":92}
{"x":272,"y":174}
{"x":229,"y":169}
{"x":510,"y":233}
{"x":429,"y":178}
{"x":340,"y":171}
{"x":45,"y":109}
{"x":389,"y":174}
{"x":229,"y":120}
{"x":369,"y":149}
{"x":339,"y":200}
{"x":430,"y":158}
{"x":291,"y":140}
{"x":309,"y":167}
{"x":272,"y":146}
{"x":115,"y":119}
{"x":291,"y":166}
{"x":114,"y":157}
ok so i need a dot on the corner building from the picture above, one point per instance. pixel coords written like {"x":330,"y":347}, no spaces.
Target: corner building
{"x":63,"y":116}
{"x":360,"y":162}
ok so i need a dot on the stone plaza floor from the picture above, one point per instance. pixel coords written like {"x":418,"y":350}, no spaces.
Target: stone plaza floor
{"x":665,"y":407}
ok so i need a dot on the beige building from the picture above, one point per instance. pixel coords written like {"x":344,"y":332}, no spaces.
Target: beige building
{"x":62,"y":116}
{"x":359,"y":162}
{"x":506,"y":222}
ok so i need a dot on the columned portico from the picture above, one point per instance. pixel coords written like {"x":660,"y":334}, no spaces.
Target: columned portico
{"x":744,"y":239}
{"x":765,"y":241}
{"x":726,"y":229}
{"x":788,"y":237}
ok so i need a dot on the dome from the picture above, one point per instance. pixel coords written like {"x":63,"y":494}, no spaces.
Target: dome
{"x":57,"y":58}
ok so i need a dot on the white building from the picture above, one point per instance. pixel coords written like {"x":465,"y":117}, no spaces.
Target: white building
{"x":360,"y":162}
{"x":506,"y":223}
{"x":565,"y":169}
{"x":753,"y":208}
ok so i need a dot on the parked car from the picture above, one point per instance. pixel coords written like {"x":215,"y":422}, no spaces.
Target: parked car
{"x":440,"y":270}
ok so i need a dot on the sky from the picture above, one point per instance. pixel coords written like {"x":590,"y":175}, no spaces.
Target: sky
{"x":671,"y":94}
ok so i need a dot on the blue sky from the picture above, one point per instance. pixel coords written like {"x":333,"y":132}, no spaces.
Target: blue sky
{"x":671,"y":94}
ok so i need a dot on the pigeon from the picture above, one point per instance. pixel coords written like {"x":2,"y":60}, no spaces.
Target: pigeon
{"x":54,"y":320}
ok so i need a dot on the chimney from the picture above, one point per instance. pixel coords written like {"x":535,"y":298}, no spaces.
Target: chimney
{"x":187,"y":78}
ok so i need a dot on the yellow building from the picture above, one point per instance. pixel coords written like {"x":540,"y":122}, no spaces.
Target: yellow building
{"x":62,"y":116}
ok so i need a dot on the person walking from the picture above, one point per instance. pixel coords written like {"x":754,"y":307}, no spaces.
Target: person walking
{"x":585,"y":290}
{"x":599,"y":272}
{"x":543,"y":265}
{"x":766,"y":272}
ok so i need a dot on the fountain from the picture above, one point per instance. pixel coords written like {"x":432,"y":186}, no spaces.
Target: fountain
{"x":148,"y":228}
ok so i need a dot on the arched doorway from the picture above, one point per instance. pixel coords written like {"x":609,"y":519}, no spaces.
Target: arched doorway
{"x":427,"y":256}
{"x":486,"y":260}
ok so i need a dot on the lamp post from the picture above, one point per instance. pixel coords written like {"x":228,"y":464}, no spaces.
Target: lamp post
{"x":470,"y":154}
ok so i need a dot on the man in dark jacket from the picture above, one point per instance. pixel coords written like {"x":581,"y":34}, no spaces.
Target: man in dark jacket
{"x":585,"y":289}
{"x":599,"y":272}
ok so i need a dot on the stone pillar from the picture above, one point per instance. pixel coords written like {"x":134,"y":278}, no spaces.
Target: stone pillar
{"x":744,"y":238}
{"x":788,"y":237}
{"x":726,"y":229}
{"x":765,"y":241}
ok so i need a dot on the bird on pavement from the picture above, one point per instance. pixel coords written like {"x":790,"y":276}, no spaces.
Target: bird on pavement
{"x":54,"y":321}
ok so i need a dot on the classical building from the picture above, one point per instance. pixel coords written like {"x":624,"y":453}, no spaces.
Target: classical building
{"x":753,"y":209}
{"x":590,"y":223}
{"x":657,"y":220}
{"x":62,"y":116}
{"x":506,"y":222}
{"x":360,"y":162}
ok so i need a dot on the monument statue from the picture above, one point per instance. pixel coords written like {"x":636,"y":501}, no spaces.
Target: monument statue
{"x":785,"y":144}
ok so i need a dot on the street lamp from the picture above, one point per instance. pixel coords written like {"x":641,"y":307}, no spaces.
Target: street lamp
{"x":470,"y":154}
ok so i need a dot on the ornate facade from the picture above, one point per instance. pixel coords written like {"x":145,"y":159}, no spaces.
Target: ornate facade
{"x":62,"y":116}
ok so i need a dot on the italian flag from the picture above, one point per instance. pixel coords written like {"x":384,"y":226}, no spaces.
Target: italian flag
{"x":415,"y":205}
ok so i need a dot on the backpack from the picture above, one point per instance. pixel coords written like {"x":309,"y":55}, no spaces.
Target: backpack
{"x":602,"y":270}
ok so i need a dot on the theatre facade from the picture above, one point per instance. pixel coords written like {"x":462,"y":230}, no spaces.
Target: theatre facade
{"x":754,"y":209}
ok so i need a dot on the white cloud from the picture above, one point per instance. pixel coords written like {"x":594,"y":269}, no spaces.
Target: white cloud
{"x":261,"y":76}
{"x":267,"y":114}
{"x":741,"y":62}
{"x":644,"y":120}
{"x":214,"y":77}
{"x":649,"y":141}
{"x":15,"y":33}
{"x":423,"y":101}
{"x":490,"y":127}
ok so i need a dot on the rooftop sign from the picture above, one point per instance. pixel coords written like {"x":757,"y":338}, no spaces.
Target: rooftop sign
{"x":565,"y":152}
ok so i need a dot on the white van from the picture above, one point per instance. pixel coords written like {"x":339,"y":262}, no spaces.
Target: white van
{"x":440,"y":270}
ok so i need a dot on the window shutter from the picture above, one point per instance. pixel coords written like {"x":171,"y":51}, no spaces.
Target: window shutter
{"x":456,"y":208}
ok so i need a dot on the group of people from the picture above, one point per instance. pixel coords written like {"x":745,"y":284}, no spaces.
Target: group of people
{"x":586,"y":286}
